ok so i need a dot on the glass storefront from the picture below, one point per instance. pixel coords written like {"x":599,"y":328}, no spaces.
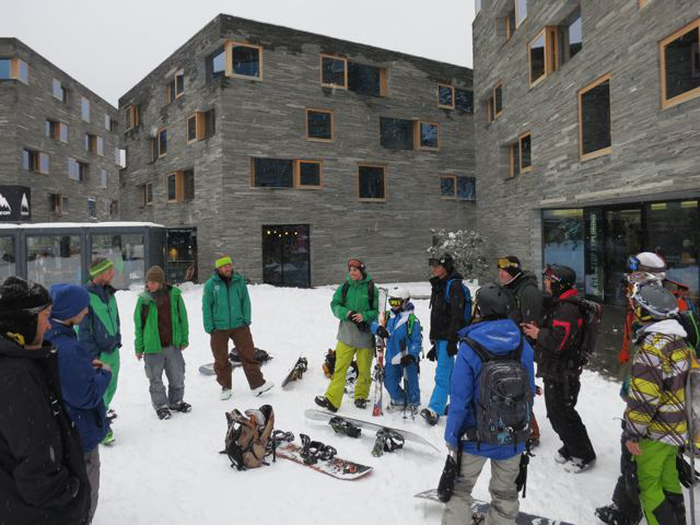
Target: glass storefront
{"x":181,"y":255}
{"x":53,"y":259}
{"x":126,"y":251}
{"x":286,"y":255}
{"x":7,"y":257}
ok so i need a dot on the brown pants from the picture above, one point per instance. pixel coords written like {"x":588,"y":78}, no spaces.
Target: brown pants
{"x":243,"y":341}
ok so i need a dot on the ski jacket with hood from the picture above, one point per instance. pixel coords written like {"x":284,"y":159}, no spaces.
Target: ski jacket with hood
{"x":100,"y":330}
{"x":656,"y":399}
{"x":399,"y":338}
{"x":559,"y":340}
{"x":499,"y":337}
{"x":42,"y":470}
{"x":83,"y":387}
{"x":147,"y":333}
{"x":446,"y":318}
{"x":528,"y":298}
{"x":225,"y":305}
{"x":357,"y":300}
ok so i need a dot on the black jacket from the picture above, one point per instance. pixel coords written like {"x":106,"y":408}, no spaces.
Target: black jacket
{"x":42,"y":470}
{"x":559,"y":340}
{"x":528,"y":297}
{"x":446,"y":319}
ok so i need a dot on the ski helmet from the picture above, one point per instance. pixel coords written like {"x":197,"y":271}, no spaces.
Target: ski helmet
{"x":445,"y":260}
{"x":653,"y":302}
{"x":493,"y":302}
{"x":648,"y":262}
{"x":562,"y":277}
{"x":398,"y":298}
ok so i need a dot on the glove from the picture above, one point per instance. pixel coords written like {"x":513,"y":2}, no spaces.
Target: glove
{"x":432,"y":354}
{"x":407,"y":360}
{"x":452,"y":348}
{"x":447,"y":481}
{"x":382,"y":332}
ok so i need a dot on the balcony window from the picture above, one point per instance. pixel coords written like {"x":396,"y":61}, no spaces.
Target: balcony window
{"x":243,"y":60}
{"x":334,"y":71}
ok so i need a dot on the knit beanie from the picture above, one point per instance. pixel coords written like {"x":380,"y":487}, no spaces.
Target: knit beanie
{"x":20,"y":304}
{"x":155,"y":274}
{"x":68,"y":301}
{"x":99,"y":266}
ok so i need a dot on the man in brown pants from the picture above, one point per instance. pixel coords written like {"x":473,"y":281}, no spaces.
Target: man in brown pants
{"x":226,"y":315}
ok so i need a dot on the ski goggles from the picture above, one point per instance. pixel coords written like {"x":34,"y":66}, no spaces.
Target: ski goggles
{"x":504,"y":263}
{"x":356,"y":263}
{"x":395,"y":302}
{"x":635,"y":265}
{"x":549,"y":274}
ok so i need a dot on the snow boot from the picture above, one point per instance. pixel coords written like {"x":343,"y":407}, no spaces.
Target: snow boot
{"x":163,"y":413}
{"x":577,"y":465}
{"x":324,"y":402}
{"x":109,"y":439}
{"x":181,"y":407}
{"x":111,"y":415}
{"x":267,"y":385}
{"x":225,"y":394}
{"x":361,"y":403}
{"x":430,"y":416}
{"x":611,"y":515}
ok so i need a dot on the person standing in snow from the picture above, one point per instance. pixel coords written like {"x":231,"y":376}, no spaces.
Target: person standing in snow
{"x":559,"y":364}
{"x":491,"y":332}
{"x":447,"y":304}
{"x":226,"y":313}
{"x":84,"y":380}
{"x":402,"y":330}
{"x":100,"y":331}
{"x":42,"y":470}
{"x":355,"y":304}
{"x":162,"y":333}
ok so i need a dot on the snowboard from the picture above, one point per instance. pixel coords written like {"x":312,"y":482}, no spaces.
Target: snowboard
{"x":297,"y":371}
{"x":336,"y":467}
{"x":261,"y":356}
{"x":322,"y":415}
{"x":482,"y":507}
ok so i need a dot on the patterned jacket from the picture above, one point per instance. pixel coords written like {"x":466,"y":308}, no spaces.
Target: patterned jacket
{"x":656,"y":403}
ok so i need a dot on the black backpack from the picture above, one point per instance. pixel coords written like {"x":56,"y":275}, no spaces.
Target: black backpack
{"x":505,"y":398}
{"x":592,"y":314}
{"x":370,"y":292}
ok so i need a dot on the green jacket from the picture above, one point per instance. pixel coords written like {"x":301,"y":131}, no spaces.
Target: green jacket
{"x":357,"y":300}
{"x":225,"y":307}
{"x":147,"y":335}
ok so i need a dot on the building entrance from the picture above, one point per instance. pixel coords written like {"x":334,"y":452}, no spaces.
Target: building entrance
{"x":286,"y":255}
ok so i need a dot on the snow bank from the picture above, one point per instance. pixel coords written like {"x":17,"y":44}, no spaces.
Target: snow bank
{"x":170,"y":471}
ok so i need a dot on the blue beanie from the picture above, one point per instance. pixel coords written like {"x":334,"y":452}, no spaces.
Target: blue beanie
{"x":68,"y":300}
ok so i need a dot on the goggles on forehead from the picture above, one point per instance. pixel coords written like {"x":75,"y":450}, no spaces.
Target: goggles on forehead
{"x":549,"y":274}
{"x":395,"y":301}
{"x":356,"y":263}
{"x":504,"y":263}
{"x":633,"y":263}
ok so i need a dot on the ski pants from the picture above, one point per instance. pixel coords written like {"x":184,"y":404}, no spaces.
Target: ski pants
{"x":112,"y":359}
{"x":243,"y":341}
{"x":171,"y":361}
{"x":344,"y":355}
{"x":626,"y":493}
{"x":443,"y":379}
{"x":659,"y":487}
{"x":561,"y":397}
{"x":92,"y":467}
{"x":393,"y":378}
{"x":504,"y":493}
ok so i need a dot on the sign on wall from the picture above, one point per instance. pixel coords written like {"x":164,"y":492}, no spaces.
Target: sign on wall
{"x":15,"y":203}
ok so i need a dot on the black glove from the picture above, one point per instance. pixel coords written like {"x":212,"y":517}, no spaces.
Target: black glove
{"x":407,"y":360}
{"x":452,"y":347}
{"x":447,"y":481}
{"x":381,"y":332}
{"x":432,"y":354}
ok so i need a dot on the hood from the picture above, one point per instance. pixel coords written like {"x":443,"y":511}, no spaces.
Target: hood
{"x":525,"y":278}
{"x":499,"y":337}
{"x":59,"y":329}
{"x":11,"y":349}
{"x":666,"y":327}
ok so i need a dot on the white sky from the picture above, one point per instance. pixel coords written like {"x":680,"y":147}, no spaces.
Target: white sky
{"x":110,"y":46}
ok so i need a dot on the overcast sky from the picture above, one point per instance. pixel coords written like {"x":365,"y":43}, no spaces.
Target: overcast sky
{"x":110,"y":46}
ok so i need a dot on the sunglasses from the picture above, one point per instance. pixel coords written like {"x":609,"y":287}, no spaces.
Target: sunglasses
{"x":504,"y":263}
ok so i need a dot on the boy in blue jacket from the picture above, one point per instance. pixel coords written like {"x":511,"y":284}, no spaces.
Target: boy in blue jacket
{"x":84,"y":380}
{"x":493,"y":331}
{"x":402,"y":331}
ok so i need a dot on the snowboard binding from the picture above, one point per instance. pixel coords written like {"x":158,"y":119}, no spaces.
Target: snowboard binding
{"x":342,"y":426}
{"x":314,"y":451}
{"x":387,"y":441}
{"x":299,"y":369}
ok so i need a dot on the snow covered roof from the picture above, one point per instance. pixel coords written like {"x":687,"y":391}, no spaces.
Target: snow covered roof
{"x":61,"y":225}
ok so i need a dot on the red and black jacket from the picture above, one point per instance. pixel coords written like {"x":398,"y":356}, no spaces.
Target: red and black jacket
{"x":560,"y":336}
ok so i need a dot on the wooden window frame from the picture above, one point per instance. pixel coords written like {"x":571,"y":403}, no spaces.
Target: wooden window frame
{"x":511,"y":159}
{"x":494,"y":113}
{"x":417,"y":138}
{"x":14,"y":70}
{"x":320,"y":68}
{"x":144,"y":194}
{"x":520,"y":149}
{"x":604,"y":151}
{"x":688,"y":95}
{"x":297,"y":174}
{"x":39,"y":156}
{"x":57,"y":204}
{"x":180,"y":72}
{"x":306,"y":124}
{"x":510,"y":31}
{"x":179,"y":186}
{"x":55,"y":134}
{"x":452,"y":87}
{"x":454,"y":179}
{"x":132,"y":110}
{"x":386,"y":182}
{"x":228,"y":54}
{"x":518,"y":24}
{"x":160,"y":153}
{"x":199,"y":127}
{"x":551,"y":53}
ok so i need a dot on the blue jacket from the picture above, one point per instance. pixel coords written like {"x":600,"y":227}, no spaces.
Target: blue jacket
{"x":499,"y":337}
{"x":397,"y":326}
{"x":81,"y":384}
{"x":92,"y":333}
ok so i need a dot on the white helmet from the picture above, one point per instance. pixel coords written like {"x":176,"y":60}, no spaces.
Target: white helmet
{"x":648,"y":262}
{"x":400,"y":293}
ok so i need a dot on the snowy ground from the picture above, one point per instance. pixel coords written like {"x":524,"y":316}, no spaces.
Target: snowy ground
{"x":170,"y":472}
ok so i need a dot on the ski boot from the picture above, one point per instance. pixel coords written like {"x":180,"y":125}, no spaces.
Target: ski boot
{"x":611,"y":515}
{"x":109,"y":439}
{"x":324,"y":402}
{"x":562,"y":456}
{"x":387,"y":441}
{"x":361,"y":403}
{"x":343,"y":426}
{"x":430,"y":416}
{"x":577,"y":465}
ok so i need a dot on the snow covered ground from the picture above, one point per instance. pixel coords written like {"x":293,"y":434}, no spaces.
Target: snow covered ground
{"x":170,"y":471}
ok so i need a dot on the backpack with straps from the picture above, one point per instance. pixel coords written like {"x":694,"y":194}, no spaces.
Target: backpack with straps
{"x":505,"y":398}
{"x":411,"y":322}
{"x":370,"y":293}
{"x":467,"y":314}
{"x":592,"y":314}
{"x":248,"y":436}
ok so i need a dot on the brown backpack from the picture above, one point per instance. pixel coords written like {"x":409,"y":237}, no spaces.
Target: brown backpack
{"x":248,"y":437}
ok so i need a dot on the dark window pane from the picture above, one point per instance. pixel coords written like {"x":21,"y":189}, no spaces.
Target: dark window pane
{"x":333,"y":71}
{"x":525,"y":144}
{"x":192,"y":128}
{"x":365,"y":80}
{"x":682,"y":57}
{"x":396,"y":133}
{"x":320,"y":125}
{"x":189,"y":184}
{"x":575,"y":32}
{"x":466,"y":188}
{"x":180,"y":84}
{"x":26,"y":159}
{"x":4,"y":68}
{"x":246,"y":61}
{"x":429,"y":135}
{"x":210,"y":123}
{"x":163,"y":142}
{"x":172,"y":187}
{"x":595,"y":118}
{"x":309,"y":174}
{"x":371,"y":182}
{"x":149,"y":193}
{"x":447,"y":187}
{"x":537,"y":58}
{"x":273,"y":173}
{"x":515,"y":156}
{"x":464,"y":100}
{"x":445,"y":95}
{"x":92,"y":208}
{"x":510,"y":23}
{"x":498,"y":96}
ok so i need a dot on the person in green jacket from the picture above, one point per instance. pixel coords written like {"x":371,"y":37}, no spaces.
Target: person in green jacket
{"x":355,"y":304}
{"x":162,"y":333}
{"x":226,"y":314}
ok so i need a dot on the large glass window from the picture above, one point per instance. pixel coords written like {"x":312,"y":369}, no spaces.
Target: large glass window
{"x":53,"y":259}
{"x":466,"y":188}
{"x":537,"y":63}
{"x":319,"y":124}
{"x":395,"y":133}
{"x":246,"y":60}
{"x":428,"y":135}
{"x":272,"y":173}
{"x":366,"y":80}
{"x":334,"y":71}
{"x":372,"y":183}
{"x":285,"y":250}
{"x":563,"y":240}
{"x":680,"y":65}
{"x":594,"y":119}
{"x":5,"y":69}
{"x":127,"y":253}
{"x":464,"y":100}
{"x":7,"y":257}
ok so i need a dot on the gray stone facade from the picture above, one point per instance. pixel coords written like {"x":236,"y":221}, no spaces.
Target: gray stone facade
{"x":267,"y":119}
{"x":655,"y":154}
{"x":24,"y":110}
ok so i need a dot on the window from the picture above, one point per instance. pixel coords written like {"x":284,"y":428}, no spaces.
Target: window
{"x":92,"y":208}
{"x":570,"y":36}
{"x":95,"y":144}
{"x":103,"y":178}
{"x":680,"y":65}
{"x":173,"y":187}
{"x":515,"y":159}
{"x":510,"y":23}
{"x":58,"y":203}
{"x":272,"y":173}
{"x":319,"y":125}
{"x":396,"y":133}
{"x":594,"y":126}
{"x":108,"y":123}
{"x":201,"y":125}
{"x":5,"y":68}
{"x":334,"y":71}
{"x":188,"y":184}
{"x":308,"y":174}
{"x":146,"y":194}
{"x":216,"y":64}
{"x":132,"y":117}
{"x":153,"y":148}
{"x":85,"y":109}
{"x":210,"y":123}
{"x":464,"y":100}
{"x":35,"y":161}
{"x":466,"y":188}
{"x":120,"y":157}
{"x":176,"y":87}
{"x":427,"y":135}
{"x":113,"y":208}
{"x":520,"y":12}
{"x":243,"y":60}
{"x":446,"y":96}
{"x":14,"y":69}
{"x":366,"y":80}
{"x":181,"y":186}
{"x":495,"y":103}
{"x":448,"y":186}
{"x":59,"y":92}
{"x":371,"y":183}
{"x":100,"y":146}
{"x":542,"y":52}
{"x":162,"y":142}
{"x":521,"y":155}
{"x":77,"y":170}
{"x":477,"y":6}
{"x":57,"y":130}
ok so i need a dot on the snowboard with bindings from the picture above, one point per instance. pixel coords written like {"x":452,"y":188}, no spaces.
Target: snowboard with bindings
{"x":335,"y":467}
{"x":261,"y":356}
{"x":297,"y":371}
{"x":321,"y":415}
{"x":482,"y":507}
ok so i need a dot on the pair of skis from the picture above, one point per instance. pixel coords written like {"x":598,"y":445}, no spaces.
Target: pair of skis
{"x":378,"y":410}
